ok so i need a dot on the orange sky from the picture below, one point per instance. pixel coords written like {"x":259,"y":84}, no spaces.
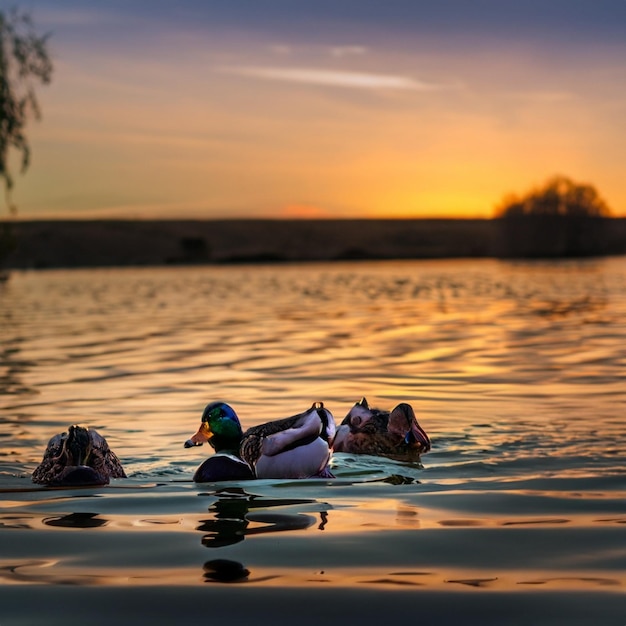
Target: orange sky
{"x":184,"y":113}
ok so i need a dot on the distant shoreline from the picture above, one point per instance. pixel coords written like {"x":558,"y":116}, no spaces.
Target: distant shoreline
{"x":133,"y":242}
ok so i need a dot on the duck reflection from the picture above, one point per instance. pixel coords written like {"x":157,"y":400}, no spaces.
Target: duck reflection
{"x":234,"y":517}
{"x":225,"y":571}
{"x":76,"y":520}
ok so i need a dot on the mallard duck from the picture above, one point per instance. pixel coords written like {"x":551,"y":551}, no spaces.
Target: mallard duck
{"x":80,"y":456}
{"x":394,"y":434}
{"x":294,"y":447}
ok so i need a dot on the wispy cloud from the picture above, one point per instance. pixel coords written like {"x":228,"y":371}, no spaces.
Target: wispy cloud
{"x":344,"y":51}
{"x":331,"y":78}
{"x":281,"y":49}
{"x":542,"y":96}
{"x":77,"y":17}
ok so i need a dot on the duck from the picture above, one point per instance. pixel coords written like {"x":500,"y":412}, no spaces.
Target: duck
{"x":394,"y":434}
{"x":76,"y":458}
{"x":294,"y":447}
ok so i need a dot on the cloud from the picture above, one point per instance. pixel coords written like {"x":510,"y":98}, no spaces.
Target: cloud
{"x":344,"y":51}
{"x":281,"y":49}
{"x":76,"y":17}
{"x":331,"y":78}
{"x":542,"y":96}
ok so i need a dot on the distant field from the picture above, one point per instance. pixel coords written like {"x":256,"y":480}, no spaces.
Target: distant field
{"x":78,"y":243}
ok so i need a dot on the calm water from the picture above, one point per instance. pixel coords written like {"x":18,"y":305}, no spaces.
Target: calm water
{"x":517,"y":371}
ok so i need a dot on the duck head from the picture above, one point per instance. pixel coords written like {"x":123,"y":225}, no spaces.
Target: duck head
{"x":220,"y":426}
{"x":75,"y":458}
{"x":359,"y":415}
{"x":400,"y":421}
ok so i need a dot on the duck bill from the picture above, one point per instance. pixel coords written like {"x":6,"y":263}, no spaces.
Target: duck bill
{"x":203,"y":435}
{"x":418,"y":437}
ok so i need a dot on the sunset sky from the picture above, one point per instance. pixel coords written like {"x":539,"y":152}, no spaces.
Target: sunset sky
{"x":333,"y":108}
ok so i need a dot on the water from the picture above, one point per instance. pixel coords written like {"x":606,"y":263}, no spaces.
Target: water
{"x":516,"y":371}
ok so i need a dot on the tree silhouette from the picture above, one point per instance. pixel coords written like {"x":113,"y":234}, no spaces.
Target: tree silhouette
{"x":561,"y":218}
{"x":24,"y":61}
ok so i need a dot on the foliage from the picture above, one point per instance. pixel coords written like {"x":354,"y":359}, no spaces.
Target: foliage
{"x":24,"y":60}
{"x":560,"y":196}
{"x":562,"y":218}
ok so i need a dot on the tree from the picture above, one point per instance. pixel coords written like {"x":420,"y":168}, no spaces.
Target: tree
{"x":560,"y":196}
{"x":24,"y":61}
{"x":561,"y":218}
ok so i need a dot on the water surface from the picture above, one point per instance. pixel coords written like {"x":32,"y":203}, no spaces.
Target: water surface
{"x":516,"y":370}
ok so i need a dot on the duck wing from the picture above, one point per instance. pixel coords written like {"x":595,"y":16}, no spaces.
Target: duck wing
{"x":278,"y":436}
{"x":50,"y":465}
{"x":299,"y":431}
{"x":102,"y":458}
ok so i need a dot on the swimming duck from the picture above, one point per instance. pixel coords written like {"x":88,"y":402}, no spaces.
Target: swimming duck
{"x":80,"y":456}
{"x":394,"y":434}
{"x":293,"y":447}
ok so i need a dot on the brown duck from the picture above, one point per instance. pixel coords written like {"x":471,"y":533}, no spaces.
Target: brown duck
{"x":80,"y":456}
{"x":395,"y":434}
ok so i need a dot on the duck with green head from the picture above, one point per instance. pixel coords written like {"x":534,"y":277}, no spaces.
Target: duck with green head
{"x":293,"y":447}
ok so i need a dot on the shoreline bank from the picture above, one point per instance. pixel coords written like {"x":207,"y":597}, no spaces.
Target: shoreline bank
{"x":113,"y":243}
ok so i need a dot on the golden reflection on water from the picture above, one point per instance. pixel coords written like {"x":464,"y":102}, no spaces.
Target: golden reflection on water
{"x":224,"y":571}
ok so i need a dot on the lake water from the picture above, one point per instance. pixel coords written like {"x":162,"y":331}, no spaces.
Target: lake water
{"x":516,"y":370}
